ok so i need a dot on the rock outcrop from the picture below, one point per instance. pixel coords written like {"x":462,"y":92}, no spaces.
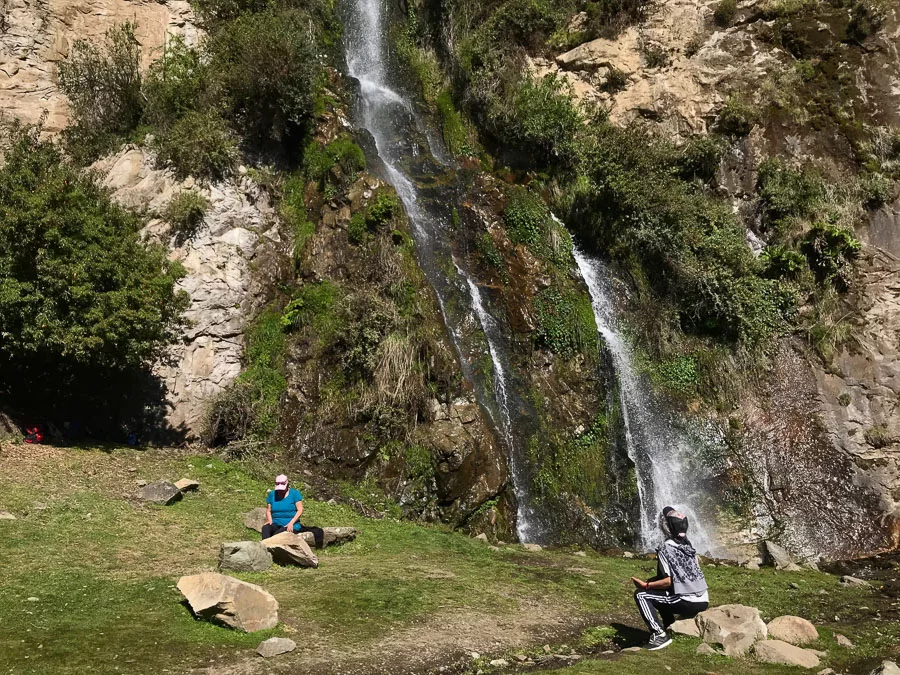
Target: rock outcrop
{"x":229,"y":601}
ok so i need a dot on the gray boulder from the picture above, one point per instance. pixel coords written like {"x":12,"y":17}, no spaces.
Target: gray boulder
{"x":244,"y":556}
{"x":886,"y":668}
{"x":334,"y":536}
{"x":275,"y":646}
{"x":160,"y":492}
{"x":780,"y":557}
{"x":229,"y":601}
{"x":255,"y":519}
{"x":735,"y":627}
{"x":792,"y":629}
{"x":847,"y":580}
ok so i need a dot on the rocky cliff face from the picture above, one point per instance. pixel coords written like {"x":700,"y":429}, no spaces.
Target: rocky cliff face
{"x":817,"y":430}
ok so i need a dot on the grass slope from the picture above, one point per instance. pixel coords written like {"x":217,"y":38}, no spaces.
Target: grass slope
{"x":401,"y":597}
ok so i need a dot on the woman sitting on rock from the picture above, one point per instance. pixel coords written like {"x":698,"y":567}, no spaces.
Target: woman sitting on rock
{"x":679,"y":587}
{"x":284,"y":506}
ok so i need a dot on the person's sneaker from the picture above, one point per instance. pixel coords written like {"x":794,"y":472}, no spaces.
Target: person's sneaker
{"x":658,"y":642}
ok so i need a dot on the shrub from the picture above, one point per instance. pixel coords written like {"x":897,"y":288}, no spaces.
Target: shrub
{"x":268,"y":66}
{"x":616,"y":80}
{"x":356,"y":228}
{"x":542,"y":119}
{"x":200,"y":144}
{"x":876,"y":190}
{"x":699,"y":158}
{"x":783,"y":263}
{"x":103,"y":86}
{"x":313,"y":306}
{"x":831,"y":251}
{"x":879,"y":436}
{"x":655,"y":56}
{"x":679,"y":374}
{"x":214,"y":13}
{"x":174,"y":85}
{"x":565,"y":323}
{"x":185,"y":213}
{"x":527,"y":217}
{"x":489,"y":253}
{"x":737,"y":117}
{"x":78,"y":288}
{"x":786,"y":195}
{"x":725,"y":13}
{"x":320,"y":161}
{"x":383,"y":209}
{"x":866,"y":18}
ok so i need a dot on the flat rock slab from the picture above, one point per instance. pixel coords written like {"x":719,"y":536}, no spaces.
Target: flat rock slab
{"x":792,"y":629}
{"x":776,"y":651}
{"x":160,"y":492}
{"x":6,"y":515}
{"x":229,"y":601}
{"x":288,"y":548}
{"x":187,"y":485}
{"x":686,"y":627}
{"x":255,"y":519}
{"x":244,"y":556}
{"x":275,"y":646}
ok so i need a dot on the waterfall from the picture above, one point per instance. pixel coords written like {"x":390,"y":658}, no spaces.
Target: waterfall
{"x":662,"y":454}
{"x":392,"y":121}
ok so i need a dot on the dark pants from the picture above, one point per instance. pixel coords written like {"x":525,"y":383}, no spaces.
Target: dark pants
{"x":669,"y":607}
{"x":270,"y":530}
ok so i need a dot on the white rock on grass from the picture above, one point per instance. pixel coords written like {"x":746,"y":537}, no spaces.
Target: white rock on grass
{"x":187,"y":484}
{"x":844,"y":641}
{"x":481,"y":537}
{"x":776,"y":651}
{"x":229,"y":601}
{"x":847,"y":580}
{"x":275,"y":646}
{"x":6,"y":515}
{"x":534,"y":548}
{"x":288,"y":548}
{"x":886,"y":668}
{"x":735,"y":627}
{"x":793,"y":629}
{"x":704,"y":649}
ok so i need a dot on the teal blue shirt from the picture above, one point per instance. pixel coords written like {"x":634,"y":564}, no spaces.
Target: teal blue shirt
{"x":284,"y":509}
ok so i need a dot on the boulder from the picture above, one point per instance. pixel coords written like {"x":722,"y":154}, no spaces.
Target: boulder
{"x":160,"y":492}
{"x":534,"y":548}
{"x":481,"y":537}
{"x":847,"y":580}
{"x":735,"y":627}
{"x":275,"y":646}
{"x":686,"y":627}
{"x":229,"y":601}
{"x":780,"y":557}
{"x":792,"y":629}
{"x":334,"y":536}
{"x":288,"y":548}
{"x":255,"y":519}
{"x":844,"y":641}
{"x":187,"y":485}
{"x":886,"y":668}
{"x":244,"y":556}
{"x":776,"y":651}
{"x":704,"y":649}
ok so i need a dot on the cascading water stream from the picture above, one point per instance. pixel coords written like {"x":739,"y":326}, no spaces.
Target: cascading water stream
{"x":392,"y":122}
{"x":662,"y":454}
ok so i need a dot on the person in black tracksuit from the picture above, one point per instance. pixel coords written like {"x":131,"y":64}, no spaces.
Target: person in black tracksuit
{"x":679,"y":588}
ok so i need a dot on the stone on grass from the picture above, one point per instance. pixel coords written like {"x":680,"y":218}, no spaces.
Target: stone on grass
{"x":686,"y":627}
{"x":826,"y":671}
{"x":187,"y":484}
{"x":780,"y":557}
{"x":334,"y":536}
{"x":481,"y":537}
{"x":534,"y":548}
{"x":776,"y":651}
{"x":580,"y":554}
{"x":743,"y":622}
{"x":738,"y":644}
{"x":275,"y":646}
{"x":255,"y":519}
{"x":229,"y":601}
{"x":847,"y":580}
{"x":160,"y":492}
{"x":6,"y":515}
{"x":628,"y":554}
{"x":499,"y":663}
{"x":244,"y":556}
{"x":752,"y":565}
{"x":705,"y":649}
{"x":288,"y":548}
{"x":793,"y":629}
{"x":886,"y":668}
{"x":844,"y":641}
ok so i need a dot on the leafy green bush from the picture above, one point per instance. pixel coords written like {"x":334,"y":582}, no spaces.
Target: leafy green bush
{"x":489,"y":253}
{"x":527,"y":217}
{"x":313,"y":306}
{"x":185,"y":213}
{"x":78,"y":288}
{"x":725,"y":13}
{"x":103,"y":86}
{"x":268,"y":67}
{"x":385,"y":206}
{"x":175,"y":84}
{"x":542,"y":119}
{"x":565,"y":323}
{"x":866,"y":18}
{"x":356,"y":228}
{"x":737,"y":117}
{"x":787,"y":195}
{"x":831,"y":251}
{"x":214,"y":13}
{"x":616,"y":80}
{"x":200,"y":144}
{"x":783,"y":262}
{"x":699,"y":158}
{"x":679,"y":374}
{"x":320,"y":161}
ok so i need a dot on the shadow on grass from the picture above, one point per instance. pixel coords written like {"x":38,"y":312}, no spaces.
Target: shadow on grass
{"x":628,"y":636}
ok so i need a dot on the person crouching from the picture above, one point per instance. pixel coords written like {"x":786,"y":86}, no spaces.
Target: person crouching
{"x":679,"y":588}
{"x":284,"y":506}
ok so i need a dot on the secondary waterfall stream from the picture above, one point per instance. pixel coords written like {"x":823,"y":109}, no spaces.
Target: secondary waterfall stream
{"x":392,"y":121}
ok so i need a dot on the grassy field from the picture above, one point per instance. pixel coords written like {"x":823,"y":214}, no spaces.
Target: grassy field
{"x":87,"y":584}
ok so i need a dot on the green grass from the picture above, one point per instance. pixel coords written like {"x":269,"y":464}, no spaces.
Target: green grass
{"x":104,"y":571}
